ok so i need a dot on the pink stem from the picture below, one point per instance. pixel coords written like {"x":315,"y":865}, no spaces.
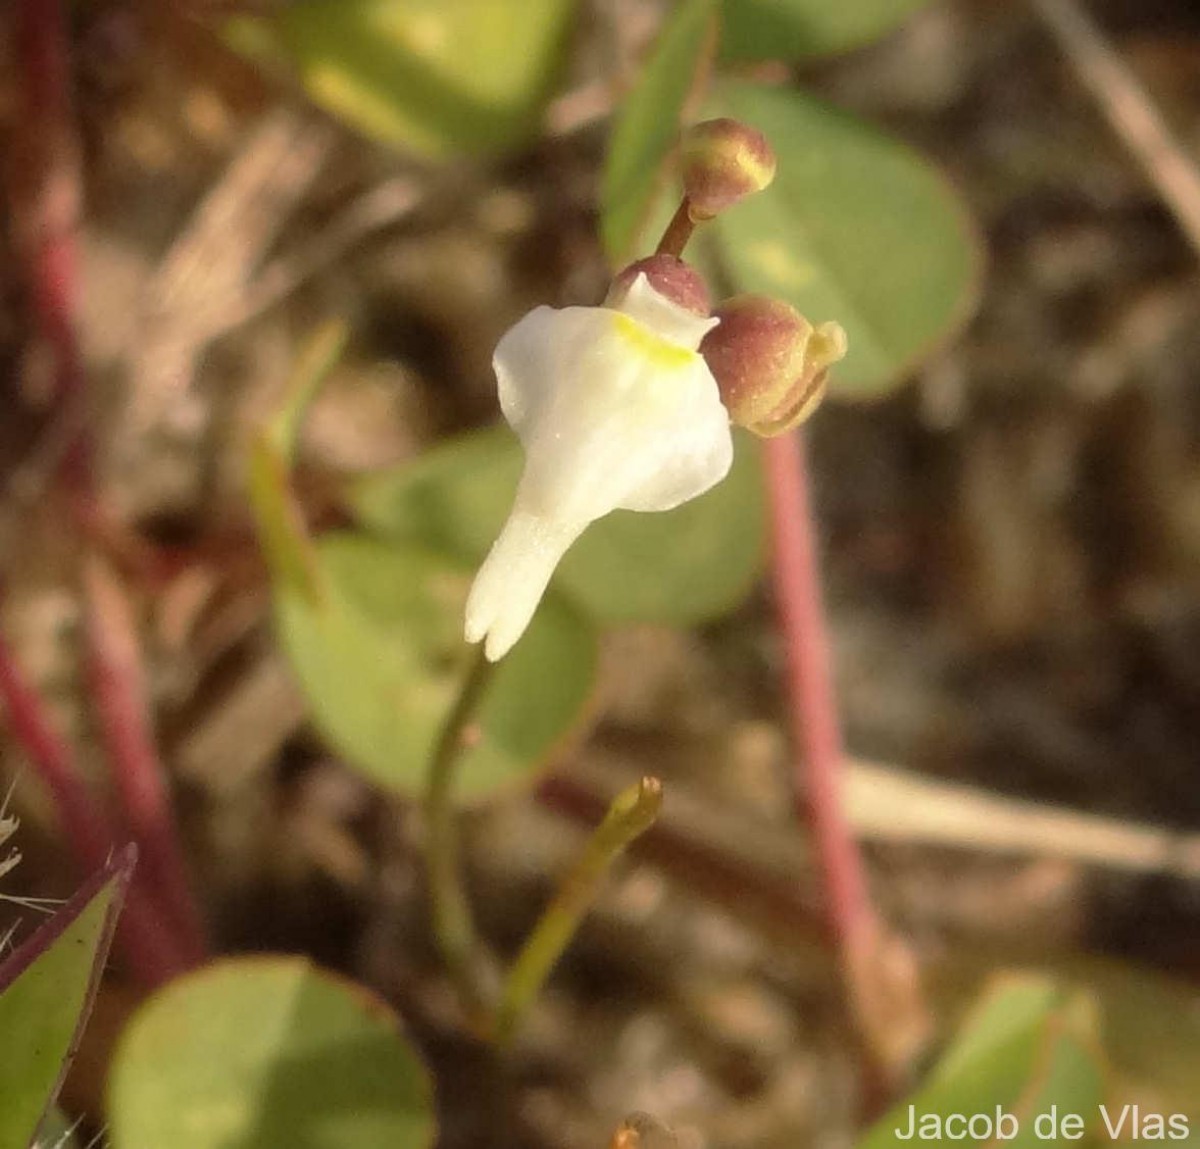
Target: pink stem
{"x":148,"y":948}
{"x":118,"y":689}
{"x":146,"y":944}
{"x":813,"y":707}
{"x":46,"y":188}
{"x":86,"y":826}
{"x":877,"y":972}
{"x":45,"y":183}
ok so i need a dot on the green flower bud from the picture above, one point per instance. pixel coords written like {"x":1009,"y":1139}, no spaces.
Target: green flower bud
{"x":673,"y":279}
{"x":722,"y":162}
{"x":769,"y":362}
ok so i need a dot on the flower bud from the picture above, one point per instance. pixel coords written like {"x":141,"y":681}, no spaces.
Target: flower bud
{"x":722,"y":162}
{"x":770,"y":363}
{"x":673,"y":279}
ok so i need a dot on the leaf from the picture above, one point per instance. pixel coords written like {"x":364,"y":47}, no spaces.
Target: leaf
{"x":47,"y":986}
{"x":437,"y":77}
{"x":1152,"y":1030}
{"x":381,"y":658}
{"x":797,"y":29}
{"x":454,"y":497}
{"x":857,"y":228}
{"x":684,"y":566}
{"x":648,"y":123}
{"x":1150,"y":1023}
{"x":262,"y":1053}
{"x":1030,"y":1046}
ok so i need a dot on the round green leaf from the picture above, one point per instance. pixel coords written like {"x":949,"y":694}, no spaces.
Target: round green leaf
{"x":438,"y":77}
{"x":1151,"y":1031}
{"x":378,"y":650}
{"x":261,"y":1053}
{"x":1149,"y":1021}
{"x":47,"y":986}
{"x":648,"y":123}
{"x":856,"y":228}
{"x":796,"y":29}
{"x":685,"y":566}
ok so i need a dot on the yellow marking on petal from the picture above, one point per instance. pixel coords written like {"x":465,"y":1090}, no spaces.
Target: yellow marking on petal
{"x":661,"y":353}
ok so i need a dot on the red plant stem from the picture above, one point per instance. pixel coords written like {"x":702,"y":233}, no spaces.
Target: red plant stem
{"x":812,"y":706}
{"x":118,"y":691}
{"x":150,"y":951}
{"x":84,"y":823}
{"x":148,"y":948}
{"x":45,"y":183}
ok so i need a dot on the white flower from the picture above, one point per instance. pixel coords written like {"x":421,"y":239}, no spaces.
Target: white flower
{"x":615,"y":408}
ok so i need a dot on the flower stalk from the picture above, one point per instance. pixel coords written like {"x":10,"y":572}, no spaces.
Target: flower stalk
{"x":453,"y":923}
{"x":679,"y":231}
{"x":631,"y":814}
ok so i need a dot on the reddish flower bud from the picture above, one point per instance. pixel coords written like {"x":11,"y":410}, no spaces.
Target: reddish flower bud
{"x":673,"y":279}
{"x":722,"y":162}
{"x":770,"y":364}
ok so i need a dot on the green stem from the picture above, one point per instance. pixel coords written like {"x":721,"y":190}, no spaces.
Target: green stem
{"x":453,"y":925}
{"x":632,"y":813}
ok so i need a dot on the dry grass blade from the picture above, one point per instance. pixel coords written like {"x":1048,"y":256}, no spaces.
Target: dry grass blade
{"x":374,"y":210}
{"x":1129,"y":109}
{"x":887,"y":804}
{"x":212,"y":262}
{"x":8,"y":827}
